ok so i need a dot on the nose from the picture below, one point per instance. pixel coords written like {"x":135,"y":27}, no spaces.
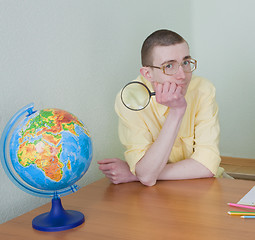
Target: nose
{"x":180,"y":73}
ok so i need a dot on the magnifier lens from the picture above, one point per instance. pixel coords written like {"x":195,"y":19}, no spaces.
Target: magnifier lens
{"x":135,"y":96}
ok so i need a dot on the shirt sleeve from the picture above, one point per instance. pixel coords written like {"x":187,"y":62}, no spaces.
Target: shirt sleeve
{"x":207,"y":129}
{"x":133,"y":133}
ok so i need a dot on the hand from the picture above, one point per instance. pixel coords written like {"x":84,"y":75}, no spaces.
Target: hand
{"x":116,"y":170}
{"x":170,"y":95}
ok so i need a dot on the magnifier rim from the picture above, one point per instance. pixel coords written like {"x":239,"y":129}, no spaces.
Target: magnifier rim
{"x":143,"y":86}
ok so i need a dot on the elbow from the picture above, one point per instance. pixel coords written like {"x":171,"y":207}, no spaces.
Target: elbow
{"x":149,"y":184}
{"x":147,"y":181}
{"x":145,"y":177}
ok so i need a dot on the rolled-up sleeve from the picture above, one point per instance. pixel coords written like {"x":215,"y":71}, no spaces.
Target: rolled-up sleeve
{"x":133,"y":134}
{"x":207,"y":129}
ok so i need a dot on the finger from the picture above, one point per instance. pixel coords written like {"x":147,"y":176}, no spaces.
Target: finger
{"x":109,"y":173}
{"x":158,"y":91}
{"x":172,"y":87}
{"x":178,"y":90}
{"x":159,"y":88}
{"x":166,"y":87}
{"x":105,"y":167}
{"x":111,"y":178}
{"x":106,"y":161}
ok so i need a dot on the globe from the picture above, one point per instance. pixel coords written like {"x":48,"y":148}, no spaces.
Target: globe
{"x":45,"y":153}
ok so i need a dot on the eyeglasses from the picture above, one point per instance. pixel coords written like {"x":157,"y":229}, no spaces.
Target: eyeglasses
{"x":172,"y":67}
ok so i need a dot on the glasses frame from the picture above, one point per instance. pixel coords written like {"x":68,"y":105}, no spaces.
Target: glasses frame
{"x":180,"y":64}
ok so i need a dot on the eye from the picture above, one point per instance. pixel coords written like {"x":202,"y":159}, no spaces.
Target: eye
{"x":186,"y":62}
{"x":169,"y":66}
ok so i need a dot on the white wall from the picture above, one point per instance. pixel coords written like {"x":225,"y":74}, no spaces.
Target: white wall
{"x":224,"y":43}
{"x":75,"y":55}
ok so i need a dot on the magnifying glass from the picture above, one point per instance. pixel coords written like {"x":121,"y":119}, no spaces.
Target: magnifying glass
{"x":136,"y":96}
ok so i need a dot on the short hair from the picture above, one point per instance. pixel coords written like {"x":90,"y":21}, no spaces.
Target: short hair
{"x":162,"y":37}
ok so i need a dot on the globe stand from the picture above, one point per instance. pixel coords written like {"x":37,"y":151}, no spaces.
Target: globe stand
{"x":58,"y":219}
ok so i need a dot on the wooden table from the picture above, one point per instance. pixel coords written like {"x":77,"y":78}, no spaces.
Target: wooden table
{"x":186,"y":209}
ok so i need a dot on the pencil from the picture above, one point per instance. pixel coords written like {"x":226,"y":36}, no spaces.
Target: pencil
{"x":237,"y":213}
{"x":240,"y":205}
{"x":247,"y":216}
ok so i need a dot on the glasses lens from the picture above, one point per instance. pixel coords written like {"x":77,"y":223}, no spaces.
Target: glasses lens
{"x":189,"y":65}
{"x":171,"y":68}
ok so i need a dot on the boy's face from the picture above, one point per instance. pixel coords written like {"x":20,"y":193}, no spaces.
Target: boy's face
{"x":164,"y":54}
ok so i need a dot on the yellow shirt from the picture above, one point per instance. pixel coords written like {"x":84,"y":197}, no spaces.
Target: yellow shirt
{"x":198,"y":136}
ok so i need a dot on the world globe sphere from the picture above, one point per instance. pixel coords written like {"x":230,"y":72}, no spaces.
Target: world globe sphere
{"x":46,"y":152}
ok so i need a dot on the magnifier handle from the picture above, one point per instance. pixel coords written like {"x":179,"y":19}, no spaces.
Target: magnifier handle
{"x":153,"y":93}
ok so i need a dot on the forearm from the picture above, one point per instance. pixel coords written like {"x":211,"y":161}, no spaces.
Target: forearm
{"x":185,"y":169}
{"x":156,"y":158}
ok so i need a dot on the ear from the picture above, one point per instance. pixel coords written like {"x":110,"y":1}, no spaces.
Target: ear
{"x":145,"y":71}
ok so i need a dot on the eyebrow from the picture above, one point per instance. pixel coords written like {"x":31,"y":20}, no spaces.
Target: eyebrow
{"x":170,"y":61}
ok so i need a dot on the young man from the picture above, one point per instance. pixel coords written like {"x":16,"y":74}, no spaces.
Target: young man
{"x":176,"y":136}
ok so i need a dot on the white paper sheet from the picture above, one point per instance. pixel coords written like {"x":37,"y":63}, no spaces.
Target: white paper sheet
{"x":249,"y":198}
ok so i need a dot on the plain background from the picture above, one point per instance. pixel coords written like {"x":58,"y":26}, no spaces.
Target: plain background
{"x":76,"y":55}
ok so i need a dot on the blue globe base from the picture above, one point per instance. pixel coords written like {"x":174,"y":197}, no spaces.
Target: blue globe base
{"x":58,"y":219}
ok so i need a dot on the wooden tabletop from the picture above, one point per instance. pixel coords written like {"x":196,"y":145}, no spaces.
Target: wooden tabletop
{"x":186,"y":209}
